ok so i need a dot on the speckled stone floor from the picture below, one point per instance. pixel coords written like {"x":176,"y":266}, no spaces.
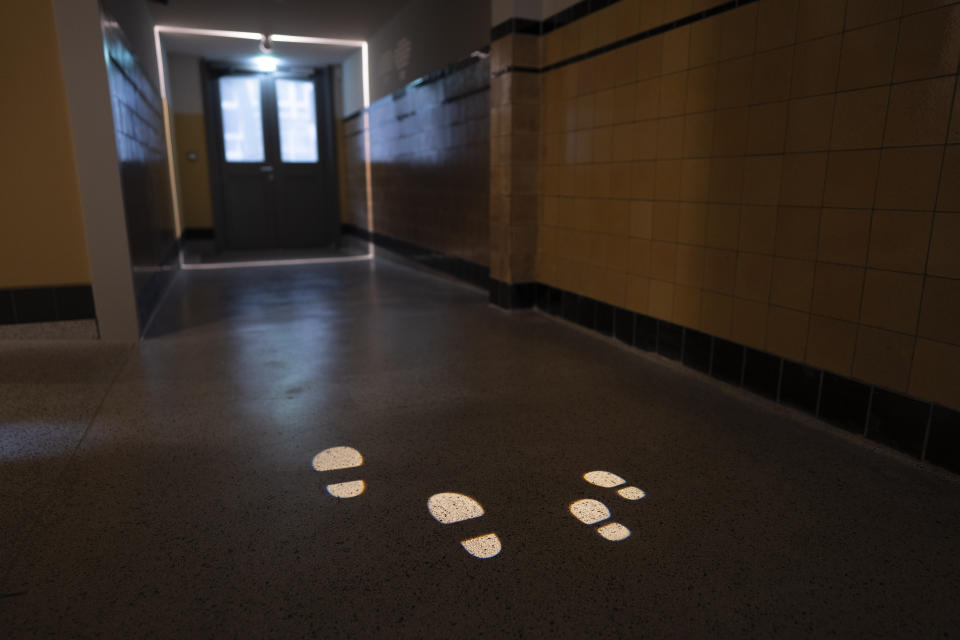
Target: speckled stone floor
{"x":167,"y":490}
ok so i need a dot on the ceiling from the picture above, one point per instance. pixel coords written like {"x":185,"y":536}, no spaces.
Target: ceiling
{"x":235,"y":50}
{"x":347,"y":19}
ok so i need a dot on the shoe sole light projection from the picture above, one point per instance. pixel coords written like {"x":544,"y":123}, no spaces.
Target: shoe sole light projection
{"x":334,"y":459}
{"x":450,"y":508}
{"x":590,"y":512}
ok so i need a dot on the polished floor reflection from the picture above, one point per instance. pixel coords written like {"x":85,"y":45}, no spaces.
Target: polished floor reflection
{"x":188,"y":486}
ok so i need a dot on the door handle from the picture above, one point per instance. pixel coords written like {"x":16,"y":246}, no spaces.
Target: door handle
{"x":266,"y":168}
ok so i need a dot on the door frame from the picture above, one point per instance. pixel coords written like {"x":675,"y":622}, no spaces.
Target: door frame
{"x":362,"y":45}
{"x":326,"y":139}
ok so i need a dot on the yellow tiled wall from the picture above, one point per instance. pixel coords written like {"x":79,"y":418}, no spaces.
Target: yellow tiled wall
{"x":42,"y":236}
{"x":514,"y":159}
{"x":191,"y":143}
{"x":785,"y":175}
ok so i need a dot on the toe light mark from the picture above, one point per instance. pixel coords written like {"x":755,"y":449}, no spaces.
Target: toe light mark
{"x":337,"y":458}
{"x":614,"y":531}
{"x":485,"y":546}
{"x":589,"y":511}
{"x":346,"y":489}
{"x":453,"y":507}
{"x":631,"y":493}
{"x":603,"y":479}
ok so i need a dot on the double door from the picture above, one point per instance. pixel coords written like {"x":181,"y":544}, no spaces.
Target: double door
{"x":275,"y":183}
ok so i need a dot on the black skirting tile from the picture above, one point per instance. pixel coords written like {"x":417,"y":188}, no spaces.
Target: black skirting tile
{"x":6,"y":308}
{"x":696,"y":350}
{"x":543,"y":296}
{"x":943,"y":444}
{"x":843,"y":402}
{"x":597,"y":5}
{"x":800,"y":386}
{"x":75,"y":303}
{"x":587,"y":312}
{"x":645,"y":333}
{"x":497,"y":293}
{"x":555,"y":302}
{"x":35,"y":305}
{"x":570,"y":301}
{"x":761,"y":373}
{"x":898,"y":421}
{"x":522,"y":295}
{"x":669,"y":340}
{"x":727,"y":361}
{"x":623,"y":322}
{"x":604,"y":319}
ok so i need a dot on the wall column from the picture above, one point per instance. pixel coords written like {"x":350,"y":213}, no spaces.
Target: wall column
{"x":514,"y":152}
{"x":98,"y":167}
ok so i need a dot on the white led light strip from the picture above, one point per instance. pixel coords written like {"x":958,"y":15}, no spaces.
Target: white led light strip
{"x":249,"y":35}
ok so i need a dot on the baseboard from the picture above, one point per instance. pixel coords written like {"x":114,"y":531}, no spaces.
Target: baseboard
{"x":921,"y":429}
{"x":46,"y":304}
{"x":475,"y":274}
{"x":197,"y":233}
{"x":516,"y":295}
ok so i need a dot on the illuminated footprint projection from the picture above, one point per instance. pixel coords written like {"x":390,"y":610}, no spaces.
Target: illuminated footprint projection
{"x":336,"y":458}
{"x":591,"y":512}
{"x":449,"y":508}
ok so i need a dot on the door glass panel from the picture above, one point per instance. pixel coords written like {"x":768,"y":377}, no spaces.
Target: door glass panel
{"x":242,"y":120}
{"x":297,"y":113}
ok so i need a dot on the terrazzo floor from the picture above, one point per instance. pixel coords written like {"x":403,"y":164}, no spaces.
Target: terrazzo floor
{"x":173,"y":489}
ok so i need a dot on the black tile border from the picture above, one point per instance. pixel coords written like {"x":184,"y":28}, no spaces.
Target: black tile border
{"x":197,"y":233}
{"x":46,"y":304}
{"x":476,"y":274}
{"x":517,"y":295}
{"x":920,"y":429}
{"x":585,"y":8}
{"x":515,"y":25}
{"x":943,"y":439}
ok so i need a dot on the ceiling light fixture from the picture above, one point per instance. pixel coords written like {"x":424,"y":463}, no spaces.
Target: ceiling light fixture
{"x":267,"y":64}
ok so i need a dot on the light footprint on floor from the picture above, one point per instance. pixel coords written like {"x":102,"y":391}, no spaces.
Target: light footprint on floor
{"x":591,"y":512}
{"x":450,"y":508}
{"x":334,"y":459}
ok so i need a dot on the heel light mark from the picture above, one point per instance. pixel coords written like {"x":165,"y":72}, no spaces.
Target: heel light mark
{"x":346,"y":489}
{"x":453,"y":507}
{"x":631,"y":493}
{"x":614,"y":531}
{"x":589,"y":511}
{"x":485,"y":546}
{"x":603,"y":479}
{"x":337,"y":458}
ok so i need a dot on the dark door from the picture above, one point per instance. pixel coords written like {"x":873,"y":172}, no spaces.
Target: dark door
{"x":275,"y":160}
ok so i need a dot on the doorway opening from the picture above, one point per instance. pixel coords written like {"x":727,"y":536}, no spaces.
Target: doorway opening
{"x":251,"y":134}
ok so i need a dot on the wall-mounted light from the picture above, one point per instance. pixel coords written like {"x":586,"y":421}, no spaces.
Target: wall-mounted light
{"x":267,"y":64}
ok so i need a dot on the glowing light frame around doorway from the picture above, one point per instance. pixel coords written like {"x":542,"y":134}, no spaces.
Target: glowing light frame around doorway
{"x":249,"y":35}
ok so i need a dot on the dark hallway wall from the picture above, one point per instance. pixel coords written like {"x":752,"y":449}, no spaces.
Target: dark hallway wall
{"x":424,"y":36}
{"x":430,"y":169}
{"x":139,"y":134}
